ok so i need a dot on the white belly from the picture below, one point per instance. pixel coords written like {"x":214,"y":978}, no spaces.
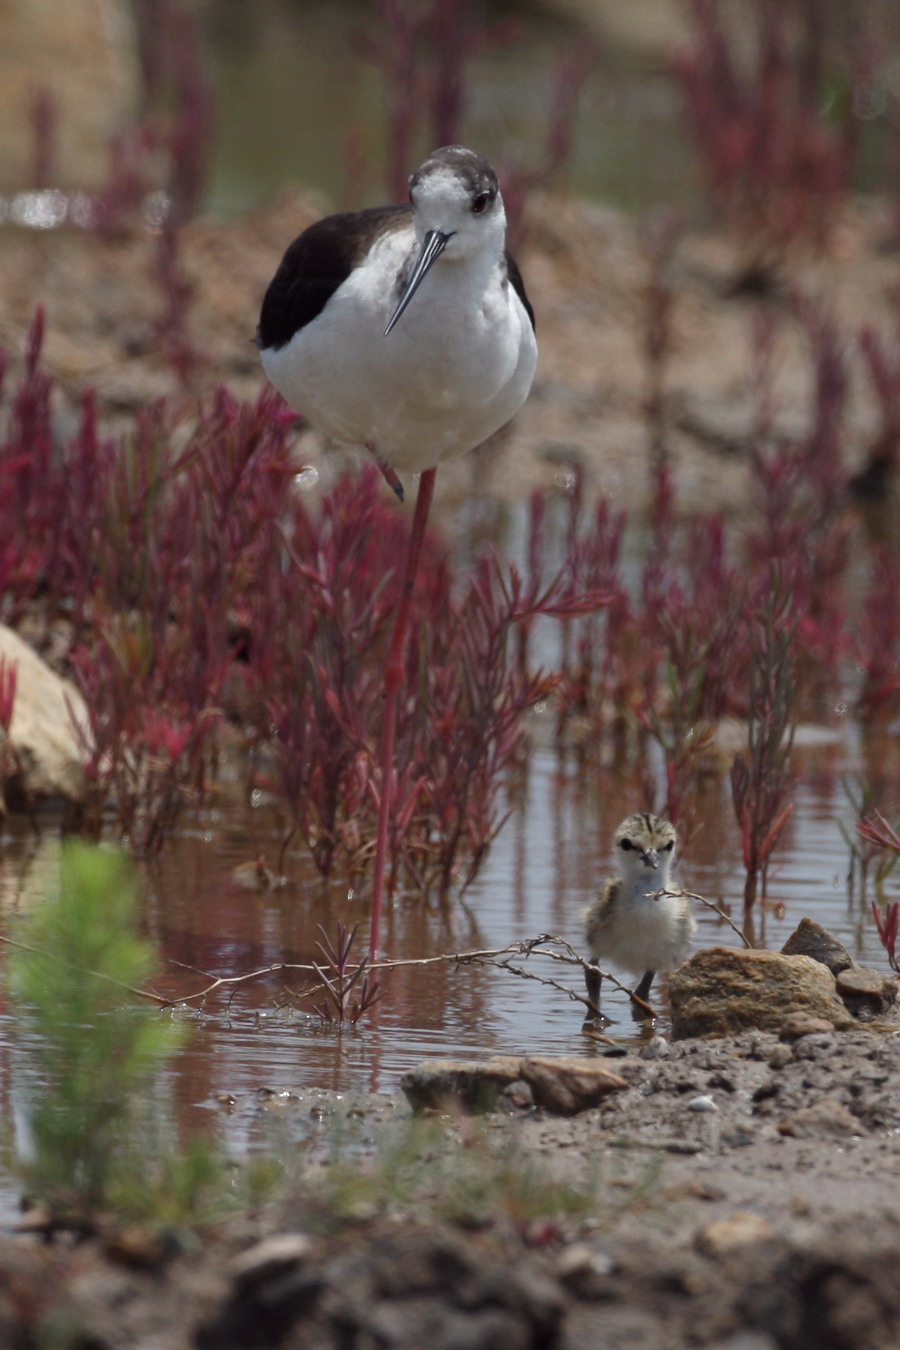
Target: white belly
{"x":648,"y":934}
{"x":457,"y":366}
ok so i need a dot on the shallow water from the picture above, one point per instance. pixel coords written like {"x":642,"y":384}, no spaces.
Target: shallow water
{"x":542,"y":871}
{"x":250,"y":1040}
{"x":210,"y":919}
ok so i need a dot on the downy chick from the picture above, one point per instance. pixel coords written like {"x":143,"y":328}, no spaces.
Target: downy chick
{"x":628,"y":923}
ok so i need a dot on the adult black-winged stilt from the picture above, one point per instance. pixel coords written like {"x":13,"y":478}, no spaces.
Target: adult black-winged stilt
{"x":405,"y":329}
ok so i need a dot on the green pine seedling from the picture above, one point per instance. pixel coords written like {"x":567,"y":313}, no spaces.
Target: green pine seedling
{"x":91,"y":1043}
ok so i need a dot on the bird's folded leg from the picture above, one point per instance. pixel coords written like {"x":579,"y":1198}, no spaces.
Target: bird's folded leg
{"x":388,"y":473}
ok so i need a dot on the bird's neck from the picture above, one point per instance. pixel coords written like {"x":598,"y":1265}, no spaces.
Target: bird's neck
{"x":477,"y":266}
{"x":643,"y":881}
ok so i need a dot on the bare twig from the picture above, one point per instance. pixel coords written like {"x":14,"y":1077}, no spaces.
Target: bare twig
{"x":547,"y":945}
{"x":543,"y":979}
{"x":710,"y":904}
{"x":569,"y":955}
{"x":97,"y":974}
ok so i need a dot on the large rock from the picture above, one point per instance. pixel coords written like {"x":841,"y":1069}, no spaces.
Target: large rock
{"x":563,"y":1085}
{"x":42,"y":756}
{"x":460,"y":1084}
{"x":567,"y":1085}
{"x":721,"y":991}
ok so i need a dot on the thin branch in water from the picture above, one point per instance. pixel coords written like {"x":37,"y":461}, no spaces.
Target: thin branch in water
{"x":710,"y":904}
{"x":571,"y":957}
{"x":97,"y":974}
{"x":548,"y":945}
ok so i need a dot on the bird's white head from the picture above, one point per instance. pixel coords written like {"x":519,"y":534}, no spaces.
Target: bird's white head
{"x":645,"y":845}
{"x":456,"y":193}
{"x":457,"y":213}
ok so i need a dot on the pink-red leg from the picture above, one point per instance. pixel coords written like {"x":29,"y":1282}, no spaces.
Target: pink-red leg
{"x":393,"y":680}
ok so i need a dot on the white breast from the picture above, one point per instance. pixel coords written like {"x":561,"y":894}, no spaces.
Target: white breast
{"x":455,"y":368}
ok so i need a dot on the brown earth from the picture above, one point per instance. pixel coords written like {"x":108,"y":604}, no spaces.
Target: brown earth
{"x":740,"y":1193}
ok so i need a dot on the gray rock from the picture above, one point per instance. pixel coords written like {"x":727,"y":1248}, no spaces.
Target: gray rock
{"x":867,"y":993}
{"x":519,"y":1095}
{"x":471,"y":1086}
{"x":811,"y":939}
{"x":817,"y":1045}
{"x":801,"y":1024}
{"x":720,"y":991}
{"x":563,"y":1085}
{"x":825,"y":1119}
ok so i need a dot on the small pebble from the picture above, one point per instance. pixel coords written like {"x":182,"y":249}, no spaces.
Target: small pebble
{"x":726,"y":1236}
{"x":271,"y":1256}
{"x":800,"y":1024}
{"x":519,"y":1095}
{"x":780,"y":1056}
{"x":656,"y":1048}
{"x":702,"y":1104}
{"x":580,"y":1258}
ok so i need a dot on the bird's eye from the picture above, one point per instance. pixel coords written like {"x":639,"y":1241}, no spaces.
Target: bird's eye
{"x":625,"y":845}
{"x":670,"y":845}
{"x":481,"y":203}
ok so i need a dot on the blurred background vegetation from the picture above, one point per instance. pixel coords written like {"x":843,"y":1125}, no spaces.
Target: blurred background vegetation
{"x":310,"y":90}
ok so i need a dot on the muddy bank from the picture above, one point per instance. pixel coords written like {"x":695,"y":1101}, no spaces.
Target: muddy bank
{"x":740,"y":1193}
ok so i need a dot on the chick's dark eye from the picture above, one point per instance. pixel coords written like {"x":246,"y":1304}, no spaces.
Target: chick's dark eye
{"x":481,"y":203}
{"x":625,"y":845}
{"x":670,"y":845}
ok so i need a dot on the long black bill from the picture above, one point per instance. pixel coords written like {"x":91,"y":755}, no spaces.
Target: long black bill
{"x":433,"y":246}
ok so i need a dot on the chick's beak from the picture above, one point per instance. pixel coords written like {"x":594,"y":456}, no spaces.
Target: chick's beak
{"x":651,"y":857}
{"x":433,"y":245}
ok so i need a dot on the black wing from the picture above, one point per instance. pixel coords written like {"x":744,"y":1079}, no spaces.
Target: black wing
{"x":315,"y":265}
{"x":518,"y":285}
